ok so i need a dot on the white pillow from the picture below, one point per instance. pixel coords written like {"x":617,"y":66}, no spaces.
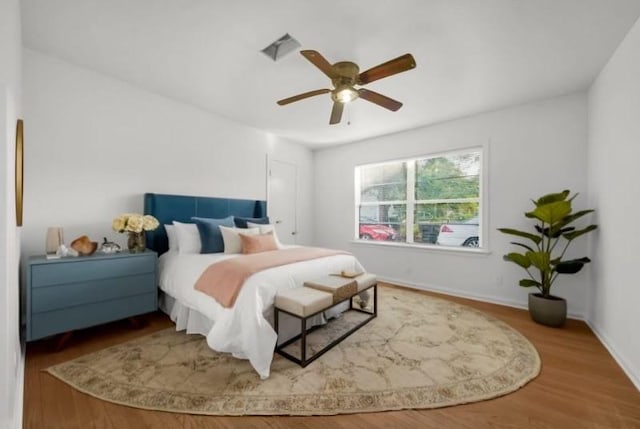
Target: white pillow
{"x":172,"y":237}
{"x":231,"y":237}
{"x":188,"y":237}
{"x":265,"y":229}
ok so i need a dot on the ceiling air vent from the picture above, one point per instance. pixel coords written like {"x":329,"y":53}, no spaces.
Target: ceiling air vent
{"x":281,"y":47}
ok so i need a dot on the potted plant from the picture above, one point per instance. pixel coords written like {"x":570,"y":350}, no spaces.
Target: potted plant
{"x":544,"y":251}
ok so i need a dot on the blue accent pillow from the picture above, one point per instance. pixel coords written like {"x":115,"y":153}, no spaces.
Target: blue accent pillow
{"x":241,"y":222}
{"x":210,"y":234}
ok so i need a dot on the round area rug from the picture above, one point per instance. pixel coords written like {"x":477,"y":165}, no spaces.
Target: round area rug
{"x":420,"y":352}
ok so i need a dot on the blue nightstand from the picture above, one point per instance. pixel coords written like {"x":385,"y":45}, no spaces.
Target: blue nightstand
{"x":73,"y":293}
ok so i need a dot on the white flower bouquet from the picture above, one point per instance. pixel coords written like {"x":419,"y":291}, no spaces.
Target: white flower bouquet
{"x":133,"y":222}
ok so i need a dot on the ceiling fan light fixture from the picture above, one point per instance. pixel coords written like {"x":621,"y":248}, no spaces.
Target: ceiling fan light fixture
{"x":345,"y":95}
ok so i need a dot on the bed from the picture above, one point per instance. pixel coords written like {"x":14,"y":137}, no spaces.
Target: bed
{"x":244,"y":330}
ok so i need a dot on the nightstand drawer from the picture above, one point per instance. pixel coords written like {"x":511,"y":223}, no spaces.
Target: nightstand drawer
{"x":72,"y":294}
{"x":67,"y":319}
{"x":87,"y":270}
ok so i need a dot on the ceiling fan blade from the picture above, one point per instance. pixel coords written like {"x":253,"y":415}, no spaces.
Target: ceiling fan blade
{"x":302,"y":96}
{"x":395,"y":66}
{"x":379,"y":99}
{"x":336,"y":112}
{"x":319,"y":61}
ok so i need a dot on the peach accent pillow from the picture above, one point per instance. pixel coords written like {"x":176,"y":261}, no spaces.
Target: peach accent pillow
{"x":258,"y":243}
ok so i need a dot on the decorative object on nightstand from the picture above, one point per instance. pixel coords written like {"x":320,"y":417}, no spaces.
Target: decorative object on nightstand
{"x":84,"y":246}
{"x":135,"y":225}
{"x":109,"y":246}
{"x":64,"y":251}
{"x":74,"y":293}
{"x":55,"y":237}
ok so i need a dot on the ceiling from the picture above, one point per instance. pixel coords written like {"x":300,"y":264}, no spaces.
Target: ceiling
{"x":472,"y":56}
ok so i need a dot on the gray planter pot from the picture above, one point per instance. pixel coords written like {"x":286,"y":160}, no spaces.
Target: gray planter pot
{"x":550,"y":311}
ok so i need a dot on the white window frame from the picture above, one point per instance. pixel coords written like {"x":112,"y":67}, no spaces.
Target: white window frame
{"x":411,"y":202}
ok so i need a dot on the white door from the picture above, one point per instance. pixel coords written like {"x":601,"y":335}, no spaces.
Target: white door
{"x":282,"y":199}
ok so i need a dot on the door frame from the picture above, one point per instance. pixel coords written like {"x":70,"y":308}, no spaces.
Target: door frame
{"x":269,"y":161}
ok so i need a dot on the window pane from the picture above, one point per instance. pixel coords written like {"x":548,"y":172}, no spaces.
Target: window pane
{"x":386,"y":182}
{"x":448,"y":177}
{"x":383,"y":222}
{"x":460,"y":219}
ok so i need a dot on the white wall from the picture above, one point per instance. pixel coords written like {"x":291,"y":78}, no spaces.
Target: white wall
{"x":11,"y":356}
{"x":96,"y":144}
{"x":533,"y":149}
{"x":614,"y":152}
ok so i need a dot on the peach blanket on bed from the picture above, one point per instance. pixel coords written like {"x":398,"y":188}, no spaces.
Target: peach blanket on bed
{"x":223,"y":280}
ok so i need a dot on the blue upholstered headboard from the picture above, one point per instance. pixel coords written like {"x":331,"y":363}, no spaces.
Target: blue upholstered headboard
{"x":167,"y":208}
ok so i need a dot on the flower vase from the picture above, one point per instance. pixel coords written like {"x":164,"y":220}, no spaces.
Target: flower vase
{"x":137,"y":242}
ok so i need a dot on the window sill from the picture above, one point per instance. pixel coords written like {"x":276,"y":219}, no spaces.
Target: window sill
{"x":424,"y":247}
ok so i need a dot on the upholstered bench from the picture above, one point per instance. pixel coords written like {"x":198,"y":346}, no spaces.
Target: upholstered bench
{"x":316,"y":296}
{"x":303,"y":301}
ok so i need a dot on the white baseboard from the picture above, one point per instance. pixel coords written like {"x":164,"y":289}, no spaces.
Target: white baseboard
{"x":624,"y":363}
{"x":463,"y":294}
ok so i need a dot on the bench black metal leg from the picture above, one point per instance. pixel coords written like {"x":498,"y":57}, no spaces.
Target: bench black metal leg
{"x":303,"y":342}
{"x":275,"y":322}
{"x":375,"y":300}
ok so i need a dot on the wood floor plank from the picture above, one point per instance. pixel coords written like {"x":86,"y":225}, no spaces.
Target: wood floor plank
{"x":580,"y":386}
{"x":33,"y":392}
{"x":92,"y":413}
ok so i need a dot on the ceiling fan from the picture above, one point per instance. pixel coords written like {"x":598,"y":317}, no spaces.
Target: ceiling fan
{"x":345,"y":75}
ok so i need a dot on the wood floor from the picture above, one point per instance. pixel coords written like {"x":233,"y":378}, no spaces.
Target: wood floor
{"x":580,"y":386}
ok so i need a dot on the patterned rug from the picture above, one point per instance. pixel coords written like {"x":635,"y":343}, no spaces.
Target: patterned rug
{"x":420,"y":352}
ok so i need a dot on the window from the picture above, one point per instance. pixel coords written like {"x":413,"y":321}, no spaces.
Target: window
{"x":432,"y":200}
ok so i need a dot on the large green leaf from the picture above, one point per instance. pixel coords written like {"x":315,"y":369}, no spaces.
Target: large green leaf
{"x":535,"y":238}
{"x":552,"y":198}
{"x":523,"y":245}
{"x":554,"y":232}
{"x":540,"y":260}
{"x":575,"y":234}
{"x":529,"y":283}
{"x":551,"y":213}
{"x":573,"y":216}
{"x":518,"y":258}
{"x":572,"y":266}
{"x":557,"y":232}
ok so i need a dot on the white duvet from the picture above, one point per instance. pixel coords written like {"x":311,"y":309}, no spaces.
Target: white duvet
{"x":243,"y":330}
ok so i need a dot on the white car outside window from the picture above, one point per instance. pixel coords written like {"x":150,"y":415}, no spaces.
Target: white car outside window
{"x":459,"y":234}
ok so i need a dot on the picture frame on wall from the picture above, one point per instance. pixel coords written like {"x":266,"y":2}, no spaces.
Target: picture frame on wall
{"x":19,"y":170}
